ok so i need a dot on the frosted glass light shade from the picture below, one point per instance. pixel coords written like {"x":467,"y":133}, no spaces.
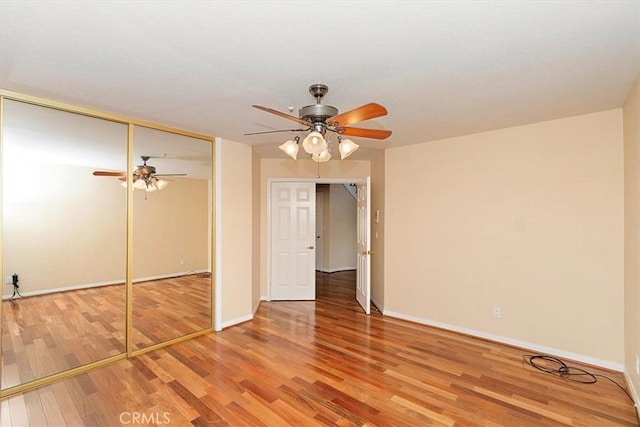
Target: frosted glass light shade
{"x":314,"y":143}
{"x":149,"y":184}
{"x":347,"y":147}
{"x":140,"y":184}
{"x":324,"y":156}
{"x":161,"y":183}
{"x":291,"y":148}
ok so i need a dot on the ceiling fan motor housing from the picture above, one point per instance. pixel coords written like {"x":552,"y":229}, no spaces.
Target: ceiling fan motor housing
{"x":317,"y":112}
{"x":145,"y":170}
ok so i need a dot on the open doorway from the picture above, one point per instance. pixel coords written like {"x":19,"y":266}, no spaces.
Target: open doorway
{"x":292,"y":238}
{"x":336,"y":215}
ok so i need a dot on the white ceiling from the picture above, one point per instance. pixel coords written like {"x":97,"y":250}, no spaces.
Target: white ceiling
{"x":441,"y":68}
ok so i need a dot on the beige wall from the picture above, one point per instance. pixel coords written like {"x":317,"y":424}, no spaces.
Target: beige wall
{"x":171,"y":229}
{"x":342,"y":226}
{"x":255,"y":231}
{"x":632,"y":235}
{"x":528,"y":218}
{"x":62,"y":227}
{"x":377,"y":229}
{"x":305,"y":170}
{"x":323,"y":190}
{"x":237,"y":263}
{"x":71,"y":232}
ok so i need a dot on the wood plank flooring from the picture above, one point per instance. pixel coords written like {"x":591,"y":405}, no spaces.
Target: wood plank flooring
{"x":47,"y":334}
{"x":170,"y":308}
{"x":324,"y":363}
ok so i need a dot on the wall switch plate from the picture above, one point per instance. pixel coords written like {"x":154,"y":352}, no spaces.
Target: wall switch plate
{"x":497,"y":312}
{"x":637,"y":365}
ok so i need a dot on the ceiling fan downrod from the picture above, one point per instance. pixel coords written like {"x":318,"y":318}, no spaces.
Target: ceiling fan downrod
{"x":318,"y":91}
{"x":317,"y":113}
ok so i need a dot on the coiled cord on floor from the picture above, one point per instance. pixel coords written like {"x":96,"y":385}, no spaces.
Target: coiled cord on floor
{"x":554,"y":366}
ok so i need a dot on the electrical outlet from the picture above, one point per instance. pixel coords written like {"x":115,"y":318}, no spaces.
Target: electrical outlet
{"x":497,"y":312}
{"x":637,"y":365}
{"x":9,"y":280}
{"x":182,"y":261}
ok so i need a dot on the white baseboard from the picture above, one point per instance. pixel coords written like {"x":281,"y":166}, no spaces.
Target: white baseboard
{"x":66,"y":288}
{"x":512,"y":342}
{"x":255,"y":310}
{"x":100,"y":284}
{"x":169,"y":276}
{"x":237,"y":321}
{"x":378,"y":305}
{"x":335,"y":270}
{"x":634,"y":392}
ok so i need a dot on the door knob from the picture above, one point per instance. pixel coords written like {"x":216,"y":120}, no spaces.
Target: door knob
{"x":310,"y":247}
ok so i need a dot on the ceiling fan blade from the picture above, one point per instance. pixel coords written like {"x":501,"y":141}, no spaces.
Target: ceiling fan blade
{"x":170,"y":174}
{"x":364,"y":133}
{"x":275,"y":131}
{"x":360,"y":114}
{"x":284,"y":115}
{"x":107,"y":173}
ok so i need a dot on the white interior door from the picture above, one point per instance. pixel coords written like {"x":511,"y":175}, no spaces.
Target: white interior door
{"x":293,"y":227}
{"x":319,"y":231}
{"x":363,"y":246}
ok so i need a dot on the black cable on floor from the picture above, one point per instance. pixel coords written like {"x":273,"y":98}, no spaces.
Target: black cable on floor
{"x":554,"y":366}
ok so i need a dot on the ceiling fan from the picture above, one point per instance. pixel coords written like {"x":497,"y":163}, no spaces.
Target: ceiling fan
{"x":319,"y":119}
{"x":144,"y":177}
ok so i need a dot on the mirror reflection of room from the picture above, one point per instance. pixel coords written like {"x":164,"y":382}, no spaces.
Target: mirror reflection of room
{"x":64,"y":241}
{"x":171,"y":237}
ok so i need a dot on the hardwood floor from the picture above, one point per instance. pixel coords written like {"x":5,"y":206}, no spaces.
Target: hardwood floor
{"x":324,"y":363}
{"x":170,"y":308}
{"x":47,"y":334}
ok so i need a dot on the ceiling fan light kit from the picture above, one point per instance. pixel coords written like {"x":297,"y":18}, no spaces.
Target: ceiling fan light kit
{"x":314,"y":143}
{"x":149,"y":184}
{"x":144,"y":177}
{"x":321,"y":157}
{"x":320,"y":119}
{"x":139,"y":184}
{"x":291,"y":147}
{"x":346,"y":147}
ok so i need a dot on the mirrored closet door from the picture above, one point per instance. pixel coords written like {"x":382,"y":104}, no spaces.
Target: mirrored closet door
{"x":171,"y":257}
{"x":63,"y":241}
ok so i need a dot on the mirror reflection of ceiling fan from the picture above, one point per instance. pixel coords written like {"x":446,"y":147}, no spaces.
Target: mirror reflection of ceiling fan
{"x":144,"y":177}
{"x":321,"y":120}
